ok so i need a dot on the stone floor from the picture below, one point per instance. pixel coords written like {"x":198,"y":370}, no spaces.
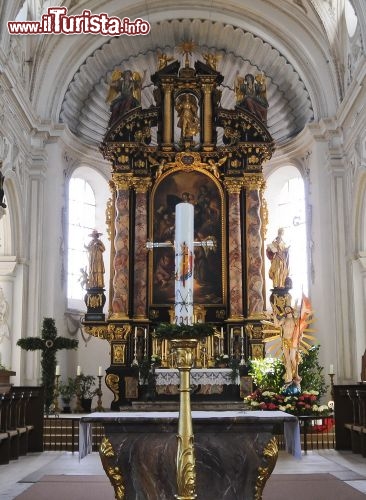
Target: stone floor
{"x":21,"y":474}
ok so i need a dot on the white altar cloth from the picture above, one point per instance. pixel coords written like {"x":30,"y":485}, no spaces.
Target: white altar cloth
{"x":291,"y":424}
{"x":199,"y":376}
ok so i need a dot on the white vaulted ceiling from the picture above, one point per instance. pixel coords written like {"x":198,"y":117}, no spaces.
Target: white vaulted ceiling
{"x":86,"y":113}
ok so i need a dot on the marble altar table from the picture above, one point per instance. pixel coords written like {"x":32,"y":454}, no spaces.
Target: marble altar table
{"x":235,"y":452}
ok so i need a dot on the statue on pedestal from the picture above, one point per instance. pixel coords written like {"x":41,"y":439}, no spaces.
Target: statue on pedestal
{"x":96,"y":265}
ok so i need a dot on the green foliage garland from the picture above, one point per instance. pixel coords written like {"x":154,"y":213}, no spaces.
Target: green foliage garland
{"x":197,"y":331}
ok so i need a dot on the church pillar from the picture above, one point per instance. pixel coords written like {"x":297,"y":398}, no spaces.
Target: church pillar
{"x":235,"y":296}
{"x":121,"y":247}
{"x":254,"y":184}
{"x":207,"y":115}
{"x":168,"y":119}
{"x":141,"y":187}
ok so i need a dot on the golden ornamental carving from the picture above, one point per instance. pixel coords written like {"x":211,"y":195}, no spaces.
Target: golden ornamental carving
{"x":233,"y":185}
{"x":121,"y":181}
{"x":257,"y":351}
{"x":118,"y":354}
{"x":254,"y":331}
{"x":112,"y":382}
{"x":109,"y":211}
{"x":108,"y":332}
{"x":94,"y":301}
{"x":107,"y":456}
{"x":270,"y":454}
{"x":141,"y":185}
{"x":118,"y":332}
{"x":254,"y":182}
{"x":188,"y":160}
{"x":264,"y":216}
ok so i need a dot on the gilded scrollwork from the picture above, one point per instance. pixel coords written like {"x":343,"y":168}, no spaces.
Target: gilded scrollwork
{"x":109,"y":213}
{"x":108,"y":332}
{"x":270,"y":454}
{"x":113,"y":472}
{"x":112,"y":382}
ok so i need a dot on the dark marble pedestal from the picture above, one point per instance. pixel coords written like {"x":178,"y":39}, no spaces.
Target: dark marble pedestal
{"x":235,"y":452}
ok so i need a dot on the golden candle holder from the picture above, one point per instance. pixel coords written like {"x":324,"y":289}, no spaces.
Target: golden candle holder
{"x":56,"y":393}
{"x":186,"y":473}
{"x":99,"y":393}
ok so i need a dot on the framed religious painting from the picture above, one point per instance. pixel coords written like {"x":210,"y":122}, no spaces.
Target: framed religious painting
{"x":202,"y":190}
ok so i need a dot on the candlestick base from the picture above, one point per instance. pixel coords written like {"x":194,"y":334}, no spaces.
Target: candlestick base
{"x":99,"y":393}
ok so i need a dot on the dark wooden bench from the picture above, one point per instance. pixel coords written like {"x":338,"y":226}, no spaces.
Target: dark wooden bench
{"x":21,"y":422}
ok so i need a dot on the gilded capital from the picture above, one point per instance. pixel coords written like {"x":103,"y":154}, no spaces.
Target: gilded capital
{"x":141,"y":185}
{"x":233,"y":184}
{"x":254,"y":182}
{"x":122,"y":182}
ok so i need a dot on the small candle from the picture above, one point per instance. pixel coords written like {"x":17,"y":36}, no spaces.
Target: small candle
{"x":57,"y":372}
{"x":242,"y":331}
{"x":78,"y":371}
{"x":331,"y":370}
{"x":100,"y":371}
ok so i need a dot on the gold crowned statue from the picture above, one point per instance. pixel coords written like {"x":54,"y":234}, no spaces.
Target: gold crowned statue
{"x":187,"y":109}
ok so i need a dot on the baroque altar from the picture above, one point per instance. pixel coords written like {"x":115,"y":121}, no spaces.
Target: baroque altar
{"x":184,"y":147}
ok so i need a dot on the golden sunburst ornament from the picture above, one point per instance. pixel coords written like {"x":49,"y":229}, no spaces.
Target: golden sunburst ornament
{"x":187,"y":47}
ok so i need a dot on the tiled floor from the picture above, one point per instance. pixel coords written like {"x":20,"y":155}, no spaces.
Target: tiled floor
{"x":21,"y":474}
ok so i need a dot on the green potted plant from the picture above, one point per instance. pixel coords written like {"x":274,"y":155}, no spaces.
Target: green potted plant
{"x":67,"y":391}
{"x":85,"y":390}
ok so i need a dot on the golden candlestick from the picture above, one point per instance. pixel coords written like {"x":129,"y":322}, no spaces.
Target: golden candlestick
{"x":186,"y":473}
{"x":99,"y":393}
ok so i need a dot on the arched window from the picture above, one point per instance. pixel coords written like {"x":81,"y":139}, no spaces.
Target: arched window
{"x":81,"y":222}
{"x":287,"y":209}
{"x":88,"y":194}
{"x":351,"y":18}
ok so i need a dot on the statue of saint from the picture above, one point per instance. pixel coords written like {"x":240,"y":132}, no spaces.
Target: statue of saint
{"x":187,"y":109}
{"x":163,"y":60}
{"x":251,"y":94}
{"x":278,"y":254}
{"x":124,"y":92}
{"x":96,"y":265}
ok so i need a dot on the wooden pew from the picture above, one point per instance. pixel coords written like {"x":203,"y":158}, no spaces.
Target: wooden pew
{"x":21,"y":422}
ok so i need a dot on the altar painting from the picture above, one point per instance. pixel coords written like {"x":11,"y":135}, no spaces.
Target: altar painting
{"x":201,"y":190}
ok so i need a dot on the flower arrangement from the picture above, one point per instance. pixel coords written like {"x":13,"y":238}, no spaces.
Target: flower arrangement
{"x":306,"y":403}
{"x":222,"y":359}
{"x":155,"y":359}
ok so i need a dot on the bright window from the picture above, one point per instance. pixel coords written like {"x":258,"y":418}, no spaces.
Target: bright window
{"x":80,"y":224}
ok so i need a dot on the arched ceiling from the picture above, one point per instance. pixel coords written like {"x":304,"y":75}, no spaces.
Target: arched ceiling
{"x":86,"y":113}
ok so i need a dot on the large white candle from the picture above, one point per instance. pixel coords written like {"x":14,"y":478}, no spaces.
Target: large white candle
{"x":78,"y":370}
{"x":184,"y":246}
{"x":331,"y":369}
{"x":57,"y":372}
{"x":100,"y":371}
